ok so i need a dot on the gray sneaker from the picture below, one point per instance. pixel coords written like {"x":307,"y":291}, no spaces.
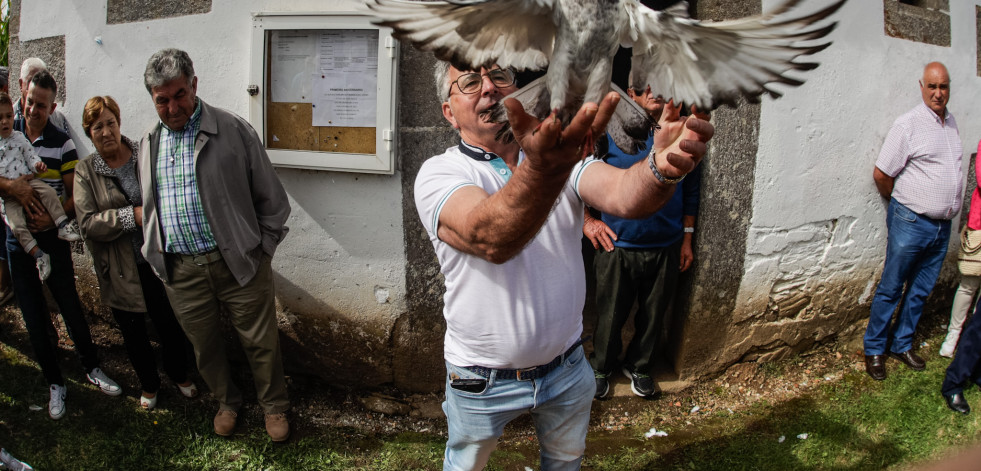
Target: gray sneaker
{"x":108,"y":386}
{"x":602,"y":385}
{"x":56,"y":405}
{"x":43,"y":266}
{"x":641,"y":384}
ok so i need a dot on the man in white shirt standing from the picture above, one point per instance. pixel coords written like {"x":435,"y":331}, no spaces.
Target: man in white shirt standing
{"x":919,"y":172}
{"x":505,"y":220}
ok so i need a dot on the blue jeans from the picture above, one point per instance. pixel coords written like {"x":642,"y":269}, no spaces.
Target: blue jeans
{"x":559,"y":404}
{"x":914,"y":255}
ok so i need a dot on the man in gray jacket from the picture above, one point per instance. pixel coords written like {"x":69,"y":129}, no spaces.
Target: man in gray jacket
{"x":213,"y":213}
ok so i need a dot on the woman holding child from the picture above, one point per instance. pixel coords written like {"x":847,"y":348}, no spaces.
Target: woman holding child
{"x":109,"y":208}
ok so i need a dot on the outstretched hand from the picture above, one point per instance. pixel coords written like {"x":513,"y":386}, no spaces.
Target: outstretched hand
{"x":680,"y":142}
{"x":551,"y":149}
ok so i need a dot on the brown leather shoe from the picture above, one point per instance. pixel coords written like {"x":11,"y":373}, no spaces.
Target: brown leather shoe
{"x":911,"y":359}
{"x":225,"y":422}
{"x":875,"y":366}
{"x":278,"y":427}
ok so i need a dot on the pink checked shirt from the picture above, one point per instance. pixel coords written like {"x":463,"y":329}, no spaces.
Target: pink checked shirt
{"x":924,"y":155}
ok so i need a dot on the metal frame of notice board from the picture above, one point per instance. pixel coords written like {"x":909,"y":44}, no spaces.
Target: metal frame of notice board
{"x":311,"y":91}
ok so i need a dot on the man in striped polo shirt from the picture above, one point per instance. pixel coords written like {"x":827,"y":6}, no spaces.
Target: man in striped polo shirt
{"x":58,"y":152}
{"x":919,"y":172}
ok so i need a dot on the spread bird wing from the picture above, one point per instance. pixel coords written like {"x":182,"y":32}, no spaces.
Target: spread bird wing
{"x":476,"y":33}
{"x":709,"y":64}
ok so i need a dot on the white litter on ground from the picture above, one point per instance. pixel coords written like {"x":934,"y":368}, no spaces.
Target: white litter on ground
{"x":653,"y":432}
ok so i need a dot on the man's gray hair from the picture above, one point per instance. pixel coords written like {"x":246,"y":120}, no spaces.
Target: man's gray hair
{"x":31,"y":64}
{"x":441,"y":77}
{"x":166,"y":65}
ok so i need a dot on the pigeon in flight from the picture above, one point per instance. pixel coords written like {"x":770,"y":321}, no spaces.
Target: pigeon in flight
{"x":703,"y":63}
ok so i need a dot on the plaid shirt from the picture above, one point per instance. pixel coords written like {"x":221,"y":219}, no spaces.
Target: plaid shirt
{"x":185,"y":226}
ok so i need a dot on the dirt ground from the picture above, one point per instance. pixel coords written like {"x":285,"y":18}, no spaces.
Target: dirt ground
{"x":317,"y":404}
{"x":614,"y":423}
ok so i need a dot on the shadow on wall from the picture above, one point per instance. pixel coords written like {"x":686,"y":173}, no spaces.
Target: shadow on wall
{"x":324,"y":344}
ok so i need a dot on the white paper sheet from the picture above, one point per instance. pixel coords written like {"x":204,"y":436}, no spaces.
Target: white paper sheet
{"x":345,"y":87}
{"x":293,"y":59}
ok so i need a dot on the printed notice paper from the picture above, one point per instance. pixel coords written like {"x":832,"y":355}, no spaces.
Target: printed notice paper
{"x":344,"y":88}
{"x":293,"y":59}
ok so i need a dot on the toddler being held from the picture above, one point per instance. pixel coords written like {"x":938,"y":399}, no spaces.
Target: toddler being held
{"x":17,"y":158}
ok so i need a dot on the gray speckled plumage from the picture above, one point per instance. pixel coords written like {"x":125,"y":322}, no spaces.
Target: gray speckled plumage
{"x":702,"y":63}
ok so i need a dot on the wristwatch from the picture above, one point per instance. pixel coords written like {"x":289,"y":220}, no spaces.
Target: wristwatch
{"x":689,"y":230}
{"x":657,"y":173}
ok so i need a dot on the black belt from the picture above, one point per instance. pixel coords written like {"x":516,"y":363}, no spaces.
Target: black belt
{"x":525,"y":374}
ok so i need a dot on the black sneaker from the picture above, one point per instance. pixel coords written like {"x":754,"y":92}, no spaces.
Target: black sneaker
{"x":641,"y":384}
{"x":602,"y":385}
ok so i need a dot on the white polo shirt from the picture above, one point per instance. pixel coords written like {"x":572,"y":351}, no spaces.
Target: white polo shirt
{"x":521,"y":313}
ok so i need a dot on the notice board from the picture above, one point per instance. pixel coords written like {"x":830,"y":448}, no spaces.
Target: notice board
{"x":324,"y":92}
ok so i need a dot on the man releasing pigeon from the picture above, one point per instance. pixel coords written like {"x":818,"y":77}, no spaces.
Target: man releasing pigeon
{"x":705,"y":64}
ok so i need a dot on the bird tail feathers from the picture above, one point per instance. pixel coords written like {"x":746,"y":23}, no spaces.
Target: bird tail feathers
{"x":629,"y":126}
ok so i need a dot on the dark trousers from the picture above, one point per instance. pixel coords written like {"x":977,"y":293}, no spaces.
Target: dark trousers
{"x":34,"y":307}
{"x":966,"y":364}
{"x":647,"y":276}
{"x":172,"y":339}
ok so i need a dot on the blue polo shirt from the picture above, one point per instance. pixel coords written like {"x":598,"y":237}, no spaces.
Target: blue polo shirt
{"x":663,"y":228}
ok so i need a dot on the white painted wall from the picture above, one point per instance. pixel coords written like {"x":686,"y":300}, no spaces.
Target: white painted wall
{"x":817,"y":217}
{"x":344,"y":254}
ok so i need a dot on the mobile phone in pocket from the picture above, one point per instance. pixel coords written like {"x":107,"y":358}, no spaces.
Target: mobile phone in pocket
{"x":470,"y":385}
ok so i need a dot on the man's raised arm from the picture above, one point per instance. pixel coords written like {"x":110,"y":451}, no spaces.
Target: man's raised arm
{"x":637,"y":192}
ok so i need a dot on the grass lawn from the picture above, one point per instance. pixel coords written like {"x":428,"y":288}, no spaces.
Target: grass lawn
{"x":850,"y":423}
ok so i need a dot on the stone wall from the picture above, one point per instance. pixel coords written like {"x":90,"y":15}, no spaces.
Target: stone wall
{"x":925,"y":21}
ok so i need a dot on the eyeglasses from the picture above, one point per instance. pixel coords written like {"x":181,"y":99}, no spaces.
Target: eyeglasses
{"x":473,"y":82}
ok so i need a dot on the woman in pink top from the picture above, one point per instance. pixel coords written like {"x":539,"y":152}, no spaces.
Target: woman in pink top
{"x":963,"y":299}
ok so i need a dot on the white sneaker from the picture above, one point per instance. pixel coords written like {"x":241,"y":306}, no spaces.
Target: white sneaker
{"x":69,"y":232}
{"x":108,"y":386}
{"x":44,"y":266}
{"x":56,"y":405}
{"x":7,"y":461}
{"x":947,"y":349}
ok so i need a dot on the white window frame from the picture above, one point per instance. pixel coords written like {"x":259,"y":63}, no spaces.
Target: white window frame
{"x":383,"y":160}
